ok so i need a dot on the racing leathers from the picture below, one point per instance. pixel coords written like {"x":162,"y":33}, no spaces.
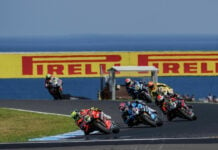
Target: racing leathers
{"x":134,"y":88}
{"x":85,"y":116}
{"x":156,"y":89}
{"x":132,"y":109}
{"x":54,"y":84}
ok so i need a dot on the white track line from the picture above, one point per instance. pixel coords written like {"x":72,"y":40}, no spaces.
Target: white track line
{"x":39,"y":112}
{"x":79,"y":133}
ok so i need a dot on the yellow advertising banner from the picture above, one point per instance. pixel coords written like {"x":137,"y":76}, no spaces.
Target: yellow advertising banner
{"x":87,"y":64}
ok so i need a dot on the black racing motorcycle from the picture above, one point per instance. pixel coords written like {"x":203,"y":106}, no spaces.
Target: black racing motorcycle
{"x":178,"y":108}
{"x":144,"y":95}
{"x":55,"y":91}
{"x":141,"y":94}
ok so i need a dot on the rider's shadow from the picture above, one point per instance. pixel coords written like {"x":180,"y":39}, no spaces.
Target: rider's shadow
{"x":137,"y":126}
{"x":99,"y":135}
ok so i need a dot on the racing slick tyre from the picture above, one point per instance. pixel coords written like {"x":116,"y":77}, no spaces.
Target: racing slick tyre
{"x":187,"y":115}
{"x":147,"y":119}
{"x":57,"y":94}
{"x":145,"y":97}
{"x":159,"y":122}
{"x":101,"y":127}
{"x":194,"y":117}
{"x":115,"y":128}
{"x":86,"y":133}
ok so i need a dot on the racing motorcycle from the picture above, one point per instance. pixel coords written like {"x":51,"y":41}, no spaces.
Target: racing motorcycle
{"x":55,"y":91}
{"x":178,"y":108}
{"x":144,"y":95}
{"x":149,"y":117}
{"x":95,"y":123}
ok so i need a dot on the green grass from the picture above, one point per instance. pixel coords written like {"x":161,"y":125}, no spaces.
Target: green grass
{"x":19,"y":126}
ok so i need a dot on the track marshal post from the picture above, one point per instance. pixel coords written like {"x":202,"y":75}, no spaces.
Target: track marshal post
{"x":114,"y":69}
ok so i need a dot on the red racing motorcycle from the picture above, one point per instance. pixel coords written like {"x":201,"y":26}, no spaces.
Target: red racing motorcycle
{"x":95,"y":123}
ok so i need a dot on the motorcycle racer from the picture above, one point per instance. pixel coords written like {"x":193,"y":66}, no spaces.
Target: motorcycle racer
{"x":156,"y":89}
{"x":134,"y":87}
{"x":52,"y":82}
{"x":80,"y":121}
{"x":161,"y":101}
{"x":84,"y":116}
{"x":175,"y":100}
{"x":130,"y":109}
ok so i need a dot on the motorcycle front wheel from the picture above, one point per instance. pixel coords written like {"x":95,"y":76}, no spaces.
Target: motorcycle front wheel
{"x":187,"y":115}
{"x":101,"y":127}
{"x":147,"y":119}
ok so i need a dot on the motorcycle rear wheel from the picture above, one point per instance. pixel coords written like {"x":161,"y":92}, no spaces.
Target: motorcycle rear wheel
{"x":57,"y":94}
{"x":159,"y":122}
{"x":115,"y":128}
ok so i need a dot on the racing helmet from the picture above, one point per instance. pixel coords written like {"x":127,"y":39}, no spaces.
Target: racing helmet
{"x":75,"y":115}
{"x":128,"y":81}
{"x":150,"y":84}
{"x":160,"y":98}
{"x":48,"y":76}
{"x":122,"y":106}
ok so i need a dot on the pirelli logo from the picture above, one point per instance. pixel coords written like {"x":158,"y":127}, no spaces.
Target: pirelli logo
{"x":88,"y":64}
{"x":68,"y":64}
{"x":182,"y":64}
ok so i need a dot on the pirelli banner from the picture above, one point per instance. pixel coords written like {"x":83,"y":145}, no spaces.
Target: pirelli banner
{"x":87,"y":64}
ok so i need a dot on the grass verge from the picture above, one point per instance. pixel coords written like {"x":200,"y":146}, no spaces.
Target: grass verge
{"x":19,"y":126}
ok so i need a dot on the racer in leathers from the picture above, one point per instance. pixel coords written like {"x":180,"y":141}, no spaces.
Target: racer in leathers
{"x":156,"y":89}
{"x":83,"y":117}
{"x":174,"y":100}
{"x":162,"y":101}
{"x":52,"y":82}
{"x":161,"y":93}
{"x":130,"y":109}
{"x":134,"y":87}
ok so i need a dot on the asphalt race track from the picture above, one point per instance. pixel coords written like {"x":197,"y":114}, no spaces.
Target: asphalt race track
{"x":202,"y":131}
